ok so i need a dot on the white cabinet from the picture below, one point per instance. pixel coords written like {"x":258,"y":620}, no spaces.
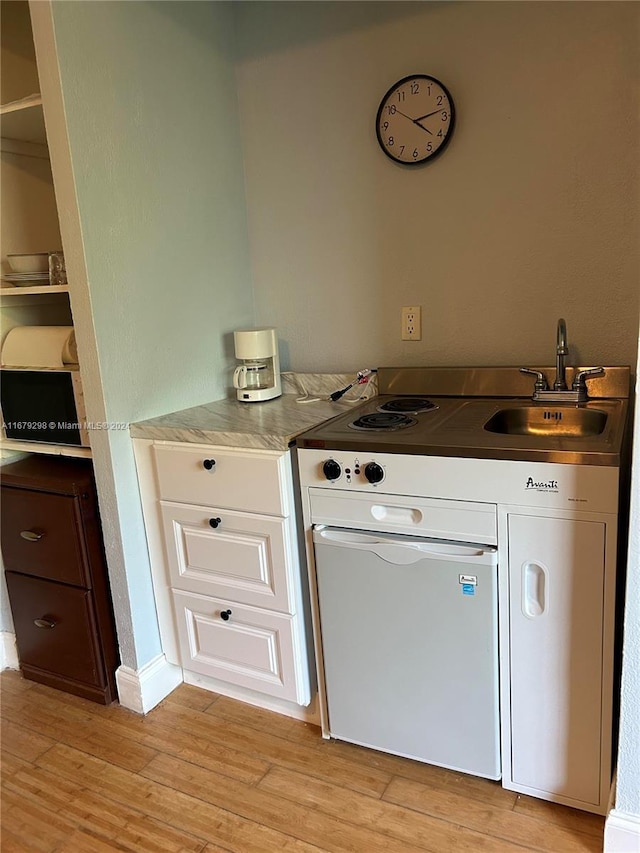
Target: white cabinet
{"x":559,"y":601}
{"x":233,"y":479}
{"x":246,"y":646}
{"x":221,"y":552}
{"x":221,"y":528}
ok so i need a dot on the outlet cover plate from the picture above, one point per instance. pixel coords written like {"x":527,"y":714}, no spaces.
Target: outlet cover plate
{"x":412,"y":323}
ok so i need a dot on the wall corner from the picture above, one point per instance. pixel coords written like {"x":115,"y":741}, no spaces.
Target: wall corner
{"x":141,"y":690}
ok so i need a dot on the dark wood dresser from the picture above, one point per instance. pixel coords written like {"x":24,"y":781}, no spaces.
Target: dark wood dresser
{"x":56,"y":575}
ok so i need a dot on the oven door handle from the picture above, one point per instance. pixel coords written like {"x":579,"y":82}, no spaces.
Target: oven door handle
{"x":404,"y":552}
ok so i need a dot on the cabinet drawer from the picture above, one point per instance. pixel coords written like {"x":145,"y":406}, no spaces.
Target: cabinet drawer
{"x":67,"y":648}
{"x":243,"y":558}
{"x":40,"y":535}
{"x":253,"y":482}
{"x":254,"y":648}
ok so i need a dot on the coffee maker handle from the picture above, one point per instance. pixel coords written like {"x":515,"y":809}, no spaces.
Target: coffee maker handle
{"x":240,"y":377}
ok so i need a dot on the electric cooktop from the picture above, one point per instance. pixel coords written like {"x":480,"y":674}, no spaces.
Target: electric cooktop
{"x":392,"y":424}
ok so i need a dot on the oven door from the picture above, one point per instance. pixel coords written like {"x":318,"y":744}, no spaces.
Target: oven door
{"x":410,"y":646}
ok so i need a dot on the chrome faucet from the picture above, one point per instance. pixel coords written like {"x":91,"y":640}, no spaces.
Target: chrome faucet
{"x":562,"y":350}
{"x":560,"y":393}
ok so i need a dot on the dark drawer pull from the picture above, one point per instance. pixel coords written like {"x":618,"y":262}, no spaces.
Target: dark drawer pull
{"x":214,"y":522}
{"x":225,"y":614}
{"x":209,"y":464}
{"x":44,"y":623}
{"x":30,"y":535}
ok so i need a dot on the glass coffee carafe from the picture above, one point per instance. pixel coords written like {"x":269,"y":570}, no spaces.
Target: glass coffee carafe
{"x":254,"y":375}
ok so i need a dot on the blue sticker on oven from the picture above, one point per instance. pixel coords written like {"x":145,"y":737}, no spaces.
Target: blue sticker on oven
{"x":468,"y":589}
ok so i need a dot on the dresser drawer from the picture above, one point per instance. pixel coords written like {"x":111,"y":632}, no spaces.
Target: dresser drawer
{"x":209,"y":476}
{"x":55,"y":628}
{"x":41,"y":535}
{"x":243,"y":558}
{"x":252,"y":648}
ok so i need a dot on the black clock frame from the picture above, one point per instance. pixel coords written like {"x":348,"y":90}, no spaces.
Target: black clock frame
{"x":447,"y":139}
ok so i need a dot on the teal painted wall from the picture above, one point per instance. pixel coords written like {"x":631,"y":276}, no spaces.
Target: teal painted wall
{"x":150,"y":101}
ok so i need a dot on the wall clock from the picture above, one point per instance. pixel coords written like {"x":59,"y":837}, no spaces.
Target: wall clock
{"x":415,"y":119}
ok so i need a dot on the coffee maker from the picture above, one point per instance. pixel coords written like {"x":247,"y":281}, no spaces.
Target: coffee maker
{"x":257,"y":377}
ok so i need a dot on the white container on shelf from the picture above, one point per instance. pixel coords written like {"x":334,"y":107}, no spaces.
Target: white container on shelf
{"x":29,"y":263}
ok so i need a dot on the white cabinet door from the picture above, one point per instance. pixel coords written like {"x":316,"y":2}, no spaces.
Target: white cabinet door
{"x":241,"y":645}
{"x":556,"y":599}
{"x":244,"y":557}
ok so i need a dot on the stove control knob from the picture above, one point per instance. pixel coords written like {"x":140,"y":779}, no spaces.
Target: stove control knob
{"x":373,"y":472}
{"x":331,"y":469}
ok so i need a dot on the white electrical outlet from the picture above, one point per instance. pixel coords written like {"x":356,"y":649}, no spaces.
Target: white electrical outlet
{"x":412,"y":323}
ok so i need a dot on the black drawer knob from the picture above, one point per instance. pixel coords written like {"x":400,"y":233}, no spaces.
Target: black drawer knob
{"x":225,"y":614}
{"x":209,"y":464}
{"x":31,"y":535}
{"x":214,"y":522}
{"x":44,"y":623}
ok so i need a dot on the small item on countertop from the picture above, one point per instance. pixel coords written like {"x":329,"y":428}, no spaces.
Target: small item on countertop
{"x":362,"y":377}
{"x":257,"y":377}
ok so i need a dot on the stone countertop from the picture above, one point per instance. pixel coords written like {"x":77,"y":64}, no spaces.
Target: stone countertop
{"x":268,"y":425}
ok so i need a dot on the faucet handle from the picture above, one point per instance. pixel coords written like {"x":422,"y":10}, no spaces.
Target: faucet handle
{"x":582,"y":375}
{"x":541,"y":381}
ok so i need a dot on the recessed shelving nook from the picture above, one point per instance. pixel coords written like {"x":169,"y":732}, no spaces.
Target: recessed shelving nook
{"x":29,"y":222}
{"x":52,"y":545}
{"x":23,"y":129}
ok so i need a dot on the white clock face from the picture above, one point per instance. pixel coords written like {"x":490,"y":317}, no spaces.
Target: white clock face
{"x":415,"y":119}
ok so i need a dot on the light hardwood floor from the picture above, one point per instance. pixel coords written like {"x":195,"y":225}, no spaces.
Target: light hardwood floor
{"x":205,"y":773}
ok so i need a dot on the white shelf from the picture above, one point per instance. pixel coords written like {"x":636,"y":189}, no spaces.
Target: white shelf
{"x":35,"y":290}
{"x":46,"y":449}
{"x":23,"y":120}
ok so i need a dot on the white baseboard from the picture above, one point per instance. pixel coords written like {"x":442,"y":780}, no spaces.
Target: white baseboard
{"x":8,"y":651}
{"x":141,"y":690}
{"x":622,"y":832}
{"x":309,"y":714}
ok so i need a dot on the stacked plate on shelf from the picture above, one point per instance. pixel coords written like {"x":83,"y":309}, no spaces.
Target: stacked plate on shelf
{"x":27,"y":279}
{"x":32,"y":270}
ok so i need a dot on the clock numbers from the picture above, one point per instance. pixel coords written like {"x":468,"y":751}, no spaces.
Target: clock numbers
{"x":415,"y":119}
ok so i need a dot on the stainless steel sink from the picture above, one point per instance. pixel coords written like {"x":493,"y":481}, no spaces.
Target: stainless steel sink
{"x":488,"y":413}
{"x":559,"y":421}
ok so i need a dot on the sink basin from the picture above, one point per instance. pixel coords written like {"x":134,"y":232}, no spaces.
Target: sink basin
{"x":539,"y":420}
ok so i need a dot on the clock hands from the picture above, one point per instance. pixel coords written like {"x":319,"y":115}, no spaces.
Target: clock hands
{"x":428,"y":114}
{"x":416,"y":121}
